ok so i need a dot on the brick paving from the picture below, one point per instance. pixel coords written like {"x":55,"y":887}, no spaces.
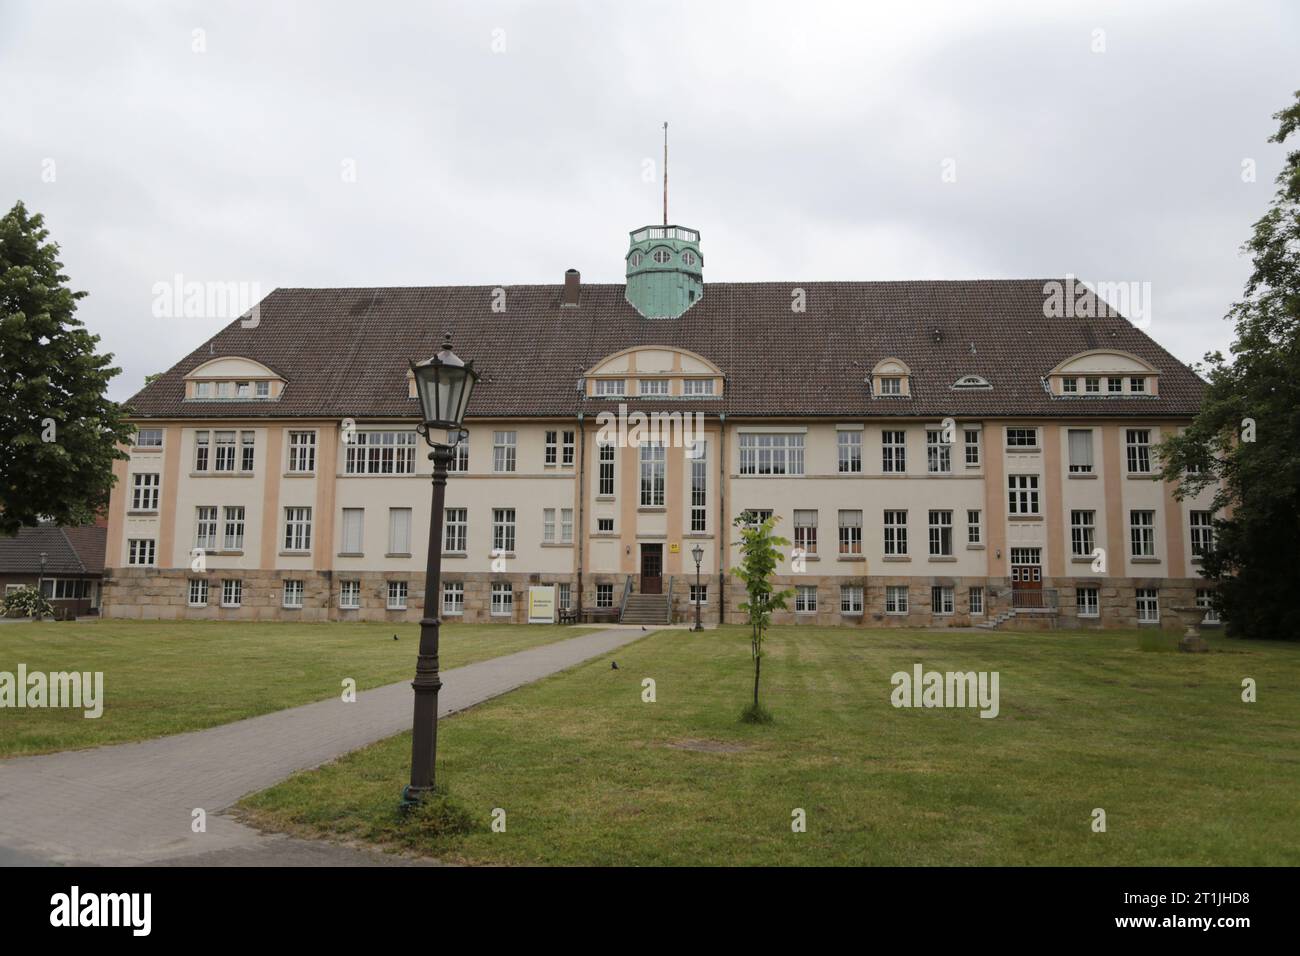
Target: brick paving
{"x":132,"y":803}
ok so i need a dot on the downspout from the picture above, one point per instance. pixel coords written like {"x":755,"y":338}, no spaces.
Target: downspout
{"x":582,"y":503}
{"x":722,"y":516}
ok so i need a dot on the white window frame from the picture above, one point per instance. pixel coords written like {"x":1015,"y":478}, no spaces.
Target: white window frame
{"x":1022,"y":495}
{"x":849,"y":445}
{"x":196,"y":594}
{"x":1087,"y":602}
{"x":455,"y":531}
{"x":453,"y":598}
{"x":1148,"y":605}
{"x":145,"y":486}
{"x":291,"y":593}
{"x":896,"y":599}
{"x":232,"y":592}
{"x":302,"y":452}
{"x":398,"y":592}
{"x":805,"y":599}
{"x":350,"y":595}
{"x":503,"y":599}
{"x":940,"y":536}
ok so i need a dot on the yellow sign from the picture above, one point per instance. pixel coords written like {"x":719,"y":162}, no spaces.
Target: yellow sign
{"x":674,"y":548}
{"x":541,"y":604}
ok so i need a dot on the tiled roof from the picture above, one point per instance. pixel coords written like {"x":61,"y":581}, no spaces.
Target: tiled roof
{"x":344,"y":352}
{"x":67,"y":550}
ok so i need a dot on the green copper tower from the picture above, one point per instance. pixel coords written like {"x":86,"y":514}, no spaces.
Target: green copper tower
{"x":665,"y":271}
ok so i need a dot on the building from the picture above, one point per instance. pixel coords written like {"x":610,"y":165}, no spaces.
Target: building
{"x":942,"y":453}
{"x":72,"y":569}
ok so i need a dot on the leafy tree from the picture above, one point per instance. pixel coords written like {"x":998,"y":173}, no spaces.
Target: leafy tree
{"x":758,"y":559}
{"x":26,"y":602}
{"x":1245,"y":441}
{"x":58,"y":433}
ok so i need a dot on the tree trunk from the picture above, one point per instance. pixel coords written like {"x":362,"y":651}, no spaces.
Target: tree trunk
{"x":758,"y":663}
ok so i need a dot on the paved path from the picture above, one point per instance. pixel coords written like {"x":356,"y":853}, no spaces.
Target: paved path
{"x":132,"y":803}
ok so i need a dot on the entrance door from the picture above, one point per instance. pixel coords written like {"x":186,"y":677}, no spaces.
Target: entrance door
{"x":652,"y":568}
{"x":1026,"y":578}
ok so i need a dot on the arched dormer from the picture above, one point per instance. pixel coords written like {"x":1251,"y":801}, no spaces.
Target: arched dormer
{"x":891,"y":378}
{"x":233,"y":378}
{"x":1101,"y":373}
{"x":653,"y":371}
{"x":971,"y":382}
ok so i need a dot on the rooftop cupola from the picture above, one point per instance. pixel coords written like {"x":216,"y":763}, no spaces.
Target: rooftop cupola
{"x":665,"y":271}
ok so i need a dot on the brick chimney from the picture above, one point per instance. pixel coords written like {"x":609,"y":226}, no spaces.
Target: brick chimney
{"x":572,"y":285}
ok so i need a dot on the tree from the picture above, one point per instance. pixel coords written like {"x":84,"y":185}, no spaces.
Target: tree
{"x":59,"y":432}
{"x":758,"y":558}
{"x":1245,"y":441}
{"x":26,"y":602}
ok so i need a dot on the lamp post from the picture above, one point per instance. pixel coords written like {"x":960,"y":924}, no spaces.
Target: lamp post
{"x":40,"y":579}
{"x":697,"y":553}
{"x":444,"y":384}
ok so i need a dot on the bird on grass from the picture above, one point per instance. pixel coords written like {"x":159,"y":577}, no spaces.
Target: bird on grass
{"x":643,"y":627}
{"x":613,"y":665}
{"x":394,"y":637}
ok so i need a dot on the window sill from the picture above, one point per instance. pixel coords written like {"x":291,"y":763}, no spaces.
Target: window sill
{"x":295,"y":554}
{"x":447,"y":613}
{"x":455,"y":554}
{"x":942,"y":559}
{"x":223,"y":474}
{"x":651,"y":510}
{"x":196,"y":605}
{"x":709,"y":536}
{"x":1090,"y":617}
{"x":291,"y":607}
{"x":299,"y":474}
{"x":1011,"y":517}
{"x":1078,"y":559}
{"x":901,"y":558}
{"x":1082,"y":474}
{"x":850,"y":614}
{"x":147,"y":450}
{"x":557,"y":544}
{"x":1140,"y":476}
{"x":351,"y":554}
{"x":975,"y":547}
{"x":1025,"y":451}
{"x":607,"y":535}
{"x":142,"y":514}
{"x":605,"y":498}
{"x":1145,"y":560}
{"x":391,"y":608}
{"x":852,"y":558}
{"x":812,"y":557}
{"x":231,"y":607}
{"x":398,"y":554}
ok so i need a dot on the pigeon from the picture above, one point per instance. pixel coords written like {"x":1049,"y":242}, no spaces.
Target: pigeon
{"x":613,"y":665}
{"x":643,"y":627}
{"x":394,"y":637}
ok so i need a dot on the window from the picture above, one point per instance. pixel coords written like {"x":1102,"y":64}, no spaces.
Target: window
{"x":805,"y":531}
{"x":397,"y":595}
{"x":247,"y":448}
{"x":973,"y":535}
{"x":688,"y":257}
{"x":552,"y":454}
{"x":243,"y":390}
{"x":567,"y":447}
{"x":198,"y":596}
{"x":1080,"y":440}
{"x":1083,"y":533}
{"x":1114,"y":385}
{"x":699,"y":487}
{"x":1137,"y":384}
{"x":354,"y":530}
{"x":205,"y":531}
{"x":563,"y":597}
{"x":805,"y":598}
{"x":149,"y":438}
{"x":503,"y":451}
{"x":200,"y":451}
{"x":565,"y":526}
{"x":292,"y":594}
{"x":893,"y":452}
{"x":1069,"y":385}
{"x":232,"y":592}
{"x":972,"y":447}
{"x":302,"y":452}
{"x":144,"y":494}
{"x":399,"y":530}
{"x":699,"y":594}
{"x":611,"y":386}
{"x":350,"y":594}
{"x":1086,"y":602}
{"x":938,"y":453}
{"x":453,"y":597}
{"x":891,"y":385}
{"x":850,"y":532}
{"x":975,"y":600}
{"x":941,"y":600}
{"x":1022,"y":437}
{"x":202,"y":389}
{"x":503,"y":530}
{"x":605,"y":525}
{"x":895,"y":532}
{"x":1138,"y":444}
{"x":661,"y":256}
{"x":61,"y":589}
{"x":940,"y":533}
{"x":1022,"y":494}
{"x":263,"y":389}
{"x":380,"y":453}
{"x":1142,"y":534}
{"x":896,"y":599}
{"x":697,"y":386}
{"x":653,"y":465}
{"x":503,"y":600}
{"x":771,"y":454}
{"x":455,"y":535}
{"x":850,"y":599}
{"x":850,"y":446}
{"x":234,"y":531}
{"x":297,"y":529}
{"x":756,"y":516}
{"x":604,"y":595}
{"x":225,"y":451}
{"x":1092,"y":384}
{"x":1148,"y":605}
{"x":460,"y":456}
{"x":1030,"y":556}
{"x":1202,"y":533}
{"x":606,"y":478}
{"x":652,"y":386}
{"x":1205,"y":600}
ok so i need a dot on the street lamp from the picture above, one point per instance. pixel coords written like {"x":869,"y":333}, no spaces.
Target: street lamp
{"x":697,"y":553}
{"x":40,"y":579}
{"x":443,"y":384}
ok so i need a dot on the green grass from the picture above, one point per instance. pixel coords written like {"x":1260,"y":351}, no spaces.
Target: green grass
{"x":170,"y":677}
{"x":587,"y":773}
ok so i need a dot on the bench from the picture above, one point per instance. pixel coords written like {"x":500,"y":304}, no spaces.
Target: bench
{"x":595,"y":614}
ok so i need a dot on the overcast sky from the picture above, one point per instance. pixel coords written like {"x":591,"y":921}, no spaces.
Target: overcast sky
{"x":357,"y":144}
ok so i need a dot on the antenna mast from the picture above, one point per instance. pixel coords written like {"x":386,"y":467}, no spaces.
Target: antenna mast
{"x":665,"y":172}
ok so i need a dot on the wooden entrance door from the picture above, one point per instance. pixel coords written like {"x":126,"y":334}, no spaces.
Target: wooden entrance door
{"x":1027,"y":585}
{"x":652,"y":568}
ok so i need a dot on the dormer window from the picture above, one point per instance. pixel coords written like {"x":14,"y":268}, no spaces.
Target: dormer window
{"x":636,"y":259}
{"x":202,"y":389}
{"x":610,"y":386}
{"x":243,"y":389}
{"x":653,"y":386}
{"x":1092,"y":384}
{"x":1069,"y":385}
{"x":891,"y":385}
{"x":662,"y":256}
{"x":1137,"y":385}
{"x":233,"y":378}
{"x":689,"y":258}
{"x":1086,"y":372}
{"x":971,"y":381}
{"x":697,"y":386}
{"x":263,"y":389}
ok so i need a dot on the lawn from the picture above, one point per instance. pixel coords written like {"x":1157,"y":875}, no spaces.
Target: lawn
{"x":170,"y":677}
{"x":587,"y":773}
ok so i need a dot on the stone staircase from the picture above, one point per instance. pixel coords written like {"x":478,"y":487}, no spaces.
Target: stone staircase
{"x":993,"y":623}
{"x":646,"y":609}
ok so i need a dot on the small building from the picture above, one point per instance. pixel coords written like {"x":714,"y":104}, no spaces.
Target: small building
{"x":72,"y":572}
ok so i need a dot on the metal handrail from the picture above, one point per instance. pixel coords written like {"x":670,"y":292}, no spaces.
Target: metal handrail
{"x":627,"y":592}
{"x":670,"y":598}
{"x":1045,"y":599}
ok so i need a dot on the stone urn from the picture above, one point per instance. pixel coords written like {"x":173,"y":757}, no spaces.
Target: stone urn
{"x":1192,"y":641}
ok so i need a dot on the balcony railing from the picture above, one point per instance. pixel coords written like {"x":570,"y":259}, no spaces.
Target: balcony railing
{"x":1034,"y":599}
{"x":666,"y":232}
